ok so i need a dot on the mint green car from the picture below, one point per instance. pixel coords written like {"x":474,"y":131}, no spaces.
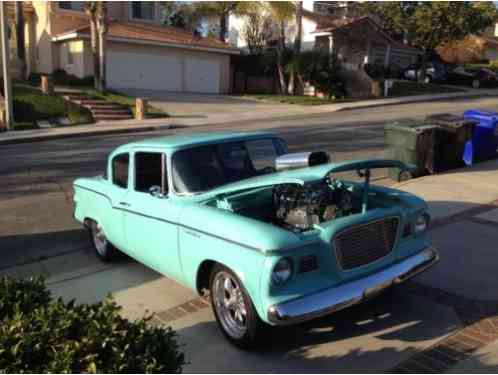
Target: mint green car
{"x":275,"y":238}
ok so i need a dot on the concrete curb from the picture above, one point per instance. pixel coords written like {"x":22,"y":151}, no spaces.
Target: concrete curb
{"x":418,"y":100}
{"x":49,"y":137}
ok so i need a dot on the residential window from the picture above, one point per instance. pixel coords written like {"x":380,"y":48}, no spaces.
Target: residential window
{"x":72,"y":5}
{"x":150,"y":170}
{"x":120,"y":166}
{"x":144,"y":10}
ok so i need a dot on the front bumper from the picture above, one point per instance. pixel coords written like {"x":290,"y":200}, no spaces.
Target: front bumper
{"x":346,"y":295}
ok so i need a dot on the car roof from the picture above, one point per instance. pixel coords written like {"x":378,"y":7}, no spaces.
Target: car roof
{"x":193,"y":139}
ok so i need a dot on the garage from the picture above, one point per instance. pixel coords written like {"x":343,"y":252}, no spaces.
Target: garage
{"x":143,"y":71}
{"x":154,"y":57}
{"x":162,"y":72}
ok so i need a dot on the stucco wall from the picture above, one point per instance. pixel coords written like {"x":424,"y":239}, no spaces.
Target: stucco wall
{"x":222,"y":59}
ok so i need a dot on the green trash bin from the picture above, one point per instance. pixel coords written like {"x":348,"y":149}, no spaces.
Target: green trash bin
{"x":412,"y":142}
{"x":454,"y":131}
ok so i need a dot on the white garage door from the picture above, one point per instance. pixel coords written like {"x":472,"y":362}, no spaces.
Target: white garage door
{"x":142,"y":71}
{"x":202,"y":76}
{"x":162,"y":72}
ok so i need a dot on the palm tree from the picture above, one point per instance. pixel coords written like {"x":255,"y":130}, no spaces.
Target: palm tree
{"x":97,"y":13}
{"x":297,"y":46}
{"x":21,"y":50}
{"x":281,"y":12}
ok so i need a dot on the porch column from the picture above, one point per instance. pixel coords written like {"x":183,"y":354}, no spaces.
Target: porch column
{"x":388,"y":55}
{"x":331,"y":48}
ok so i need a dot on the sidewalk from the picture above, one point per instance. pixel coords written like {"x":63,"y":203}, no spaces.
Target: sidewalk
{"x":276,"y":112}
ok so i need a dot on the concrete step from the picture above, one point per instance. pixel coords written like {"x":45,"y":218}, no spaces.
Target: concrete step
{"x":110,"y":111}
{"x":108,"y":117}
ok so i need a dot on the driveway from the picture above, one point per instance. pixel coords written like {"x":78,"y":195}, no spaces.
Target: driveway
{"x":205,"y":105}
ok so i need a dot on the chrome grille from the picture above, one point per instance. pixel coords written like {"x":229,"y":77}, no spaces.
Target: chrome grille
{"x":366,"y":243}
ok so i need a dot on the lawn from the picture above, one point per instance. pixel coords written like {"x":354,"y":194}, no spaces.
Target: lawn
{"x":126,"y":101}
{"x":408,"y":88}
{"x":30,"y":105}
{"x":297,"y":99}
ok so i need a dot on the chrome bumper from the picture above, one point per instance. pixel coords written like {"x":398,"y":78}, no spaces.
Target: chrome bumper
{"x":352,"y":293}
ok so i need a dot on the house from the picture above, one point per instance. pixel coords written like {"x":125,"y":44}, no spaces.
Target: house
{"x":141,"y":52}
{"x":338,"y":28}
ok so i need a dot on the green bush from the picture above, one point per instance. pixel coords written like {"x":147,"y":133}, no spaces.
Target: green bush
{"x":37,"y":335}
{"x":78,"y":115}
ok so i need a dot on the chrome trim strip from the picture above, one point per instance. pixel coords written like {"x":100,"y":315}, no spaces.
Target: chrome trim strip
{"x":337,"y":298}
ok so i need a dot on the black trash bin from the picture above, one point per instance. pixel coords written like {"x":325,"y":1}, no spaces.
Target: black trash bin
{"x":453,"y":133}
{"x":412,"y":142}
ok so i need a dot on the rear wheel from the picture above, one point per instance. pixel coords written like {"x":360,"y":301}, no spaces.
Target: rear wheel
{"x":428,"y":79}
{"x":103,"y":248}
{"x":476,"y":84}
{"x":233,"y":309}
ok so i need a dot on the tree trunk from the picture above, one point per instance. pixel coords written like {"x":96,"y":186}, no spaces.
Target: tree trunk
{"x":102,"y":31}
{"x":280,"y":52}
{"x":297,"y":47}
{"x":21,"y":48}
{"x":95,"y":51}
{"x":102,"y":77}
{"x":223,"y":26}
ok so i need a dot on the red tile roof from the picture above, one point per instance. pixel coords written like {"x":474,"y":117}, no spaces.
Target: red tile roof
{"x":135,"y":31}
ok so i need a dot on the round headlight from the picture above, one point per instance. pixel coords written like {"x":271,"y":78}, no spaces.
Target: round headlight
{"x":422,"y":223}
{"x":282,"y":271}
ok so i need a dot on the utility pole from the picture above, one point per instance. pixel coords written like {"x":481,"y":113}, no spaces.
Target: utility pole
{"x":7,"y":88}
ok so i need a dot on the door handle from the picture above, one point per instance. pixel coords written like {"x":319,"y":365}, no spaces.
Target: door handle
{"x":124,"y":204}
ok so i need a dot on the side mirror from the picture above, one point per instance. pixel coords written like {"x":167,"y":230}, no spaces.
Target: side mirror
{"x":156,"y":191}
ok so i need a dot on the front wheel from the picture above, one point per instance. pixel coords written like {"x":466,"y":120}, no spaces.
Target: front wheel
{"x":233,"y":309}
{"x":476,"y":84}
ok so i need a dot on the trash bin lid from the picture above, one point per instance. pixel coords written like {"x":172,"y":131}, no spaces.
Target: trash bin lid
{"x":485,"y":118}
{"x":450,"y":119}
{"x":415,"y":126}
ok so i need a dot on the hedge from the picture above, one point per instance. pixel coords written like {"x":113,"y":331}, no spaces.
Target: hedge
{"x":42,"y":335}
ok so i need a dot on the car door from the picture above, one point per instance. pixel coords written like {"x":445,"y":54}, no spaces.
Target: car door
{"x":151,"y":217}
{"x":112,"y":219}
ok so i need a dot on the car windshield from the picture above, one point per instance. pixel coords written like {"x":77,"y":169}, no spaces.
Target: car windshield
{"x":203,"y":168}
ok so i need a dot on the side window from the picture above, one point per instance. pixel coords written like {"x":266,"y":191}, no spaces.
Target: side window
{"x":149,"y":172}
{"x":120,"y":167}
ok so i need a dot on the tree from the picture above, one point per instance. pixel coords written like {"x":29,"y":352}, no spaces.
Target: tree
{"x":97,"y":13}
{"x":427,"y":25}
{"x":220,"y":9}
{"x":255,"y":28}
{"x":281,"y":11}
{"x":180,"y":14}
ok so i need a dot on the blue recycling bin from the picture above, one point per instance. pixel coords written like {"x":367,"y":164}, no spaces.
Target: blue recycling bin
{"x":484,"y":142}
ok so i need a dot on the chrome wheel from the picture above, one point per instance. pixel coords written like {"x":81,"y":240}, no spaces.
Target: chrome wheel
{"x":99,"y":239}
{"x":230,"y":305}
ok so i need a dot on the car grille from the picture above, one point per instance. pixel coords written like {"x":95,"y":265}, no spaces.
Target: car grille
{"x":366,"y":243}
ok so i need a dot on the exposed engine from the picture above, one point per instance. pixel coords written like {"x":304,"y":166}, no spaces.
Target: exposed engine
{"x":298,"y":208}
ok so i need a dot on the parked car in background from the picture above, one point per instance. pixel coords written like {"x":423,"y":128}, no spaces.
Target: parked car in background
{"x":435,"y":72}
{"x":476,"y":78}
{"x":275,"y":238}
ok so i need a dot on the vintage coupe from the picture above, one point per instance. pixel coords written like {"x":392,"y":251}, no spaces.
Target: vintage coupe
{"x":275,"y":238}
